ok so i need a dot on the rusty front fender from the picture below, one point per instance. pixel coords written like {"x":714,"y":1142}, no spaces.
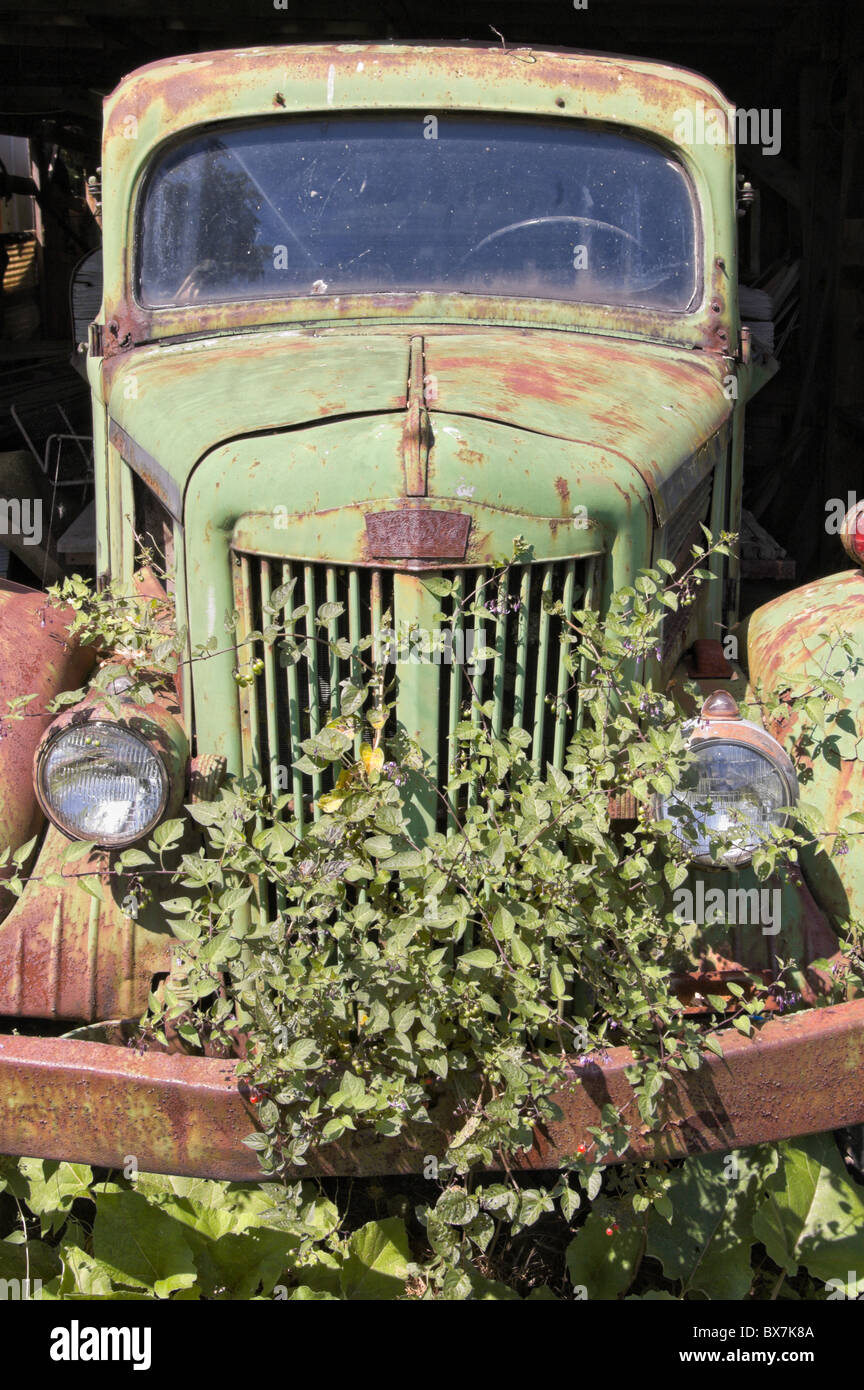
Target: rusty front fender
{"x":101,"y":1104}
{"x":36,"y":657}
{"x":790,"y":641}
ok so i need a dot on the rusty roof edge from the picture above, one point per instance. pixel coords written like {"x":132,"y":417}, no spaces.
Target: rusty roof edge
{"x":397,"y":50}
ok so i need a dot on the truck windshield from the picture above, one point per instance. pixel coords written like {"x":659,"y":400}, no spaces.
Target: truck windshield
{"x":448,"y":203}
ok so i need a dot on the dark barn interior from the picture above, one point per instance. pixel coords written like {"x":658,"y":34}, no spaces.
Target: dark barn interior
{"x":802,"y":228}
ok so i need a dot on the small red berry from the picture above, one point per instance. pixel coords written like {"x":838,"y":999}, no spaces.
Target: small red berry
{"x":580,"y":1148}
{"x":609,"y":1231}
{"x":254,"y":1097}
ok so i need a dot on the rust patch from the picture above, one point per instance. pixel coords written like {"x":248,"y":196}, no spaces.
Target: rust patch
{"x":65,"y":954}
{"x":36,"y":656}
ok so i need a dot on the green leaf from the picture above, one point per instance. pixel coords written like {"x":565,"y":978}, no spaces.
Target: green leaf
{"x":91,"y":885}
{"x":503,"y":924}
{"x":328,"y":611}
{"x":409,"y":859}
{"x":707,"y":1243}
{"x":141,"y":1245}
{"x":456,"y":1285}
{"x":674,"y":874}
{"x":134,"y":859}
{"x":53,"y":1187}
{"x":812,"y":1214}
{"x":168,"y":833}
{"x":570,"y":1203}
{"x":77,"y":850}
{"x":604,"y":1265}
{"x":351,"y":1087}
{"x":520,"y":952}
{"x":456,"y":1207}
{"x":302,"y":1053}
{"x":478,"y":960}
{"x":378,"y":845}
{"x":437,"y":585}
{"x":23,"y":852}
{"x":237,"y":1264}
{"x":32,"y":1259}
{"x":377,"y":1263}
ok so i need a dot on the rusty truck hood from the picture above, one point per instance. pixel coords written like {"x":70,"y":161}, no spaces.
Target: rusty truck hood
{"x":639,"y":405}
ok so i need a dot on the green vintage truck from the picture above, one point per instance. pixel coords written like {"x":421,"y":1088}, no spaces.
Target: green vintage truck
{"x":370,"y":312}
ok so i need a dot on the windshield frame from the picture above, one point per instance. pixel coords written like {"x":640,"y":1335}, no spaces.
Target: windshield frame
{"x":527,"y":308}
{"x":174,"y":97}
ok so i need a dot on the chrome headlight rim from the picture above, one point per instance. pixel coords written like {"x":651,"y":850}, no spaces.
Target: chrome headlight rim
{"x":96,"y":721}
{"x":721,"y":725}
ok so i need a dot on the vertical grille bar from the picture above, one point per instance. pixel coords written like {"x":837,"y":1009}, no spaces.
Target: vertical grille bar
{"x":458,"y":657}
{"x":270,"y":699}
{"x":476,"y":681}
{"x":250,"y":731}
{"x":523,"y":632}
{"x":375,"y":600}
{"x":500,"y":665}
{"x":293,"y":685}
{"x":590,"y":600}
{"x":309,"y":599}
{"x":244,"y":603}
{"x":542,"y":667}
{"x":562,"y":709}
{"x":333,"y":636}
{"x":354,"y":635}
{"x":271,"y":708}
{"x":479,"y":641}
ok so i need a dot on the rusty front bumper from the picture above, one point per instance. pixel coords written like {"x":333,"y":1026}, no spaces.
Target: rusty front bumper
{"x":107,"y":1105}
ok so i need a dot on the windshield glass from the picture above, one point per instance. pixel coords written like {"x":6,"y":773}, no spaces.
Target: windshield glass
{"x":350,"y":204}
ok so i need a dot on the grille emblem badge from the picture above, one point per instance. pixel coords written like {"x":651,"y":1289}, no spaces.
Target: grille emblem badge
{"x":417,"y":533}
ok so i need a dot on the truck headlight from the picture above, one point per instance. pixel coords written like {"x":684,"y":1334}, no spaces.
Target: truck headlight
{"x":738,"y":782}
{"x":108,"y":779}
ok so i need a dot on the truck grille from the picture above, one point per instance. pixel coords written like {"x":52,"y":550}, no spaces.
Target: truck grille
{"x":526,"y":680}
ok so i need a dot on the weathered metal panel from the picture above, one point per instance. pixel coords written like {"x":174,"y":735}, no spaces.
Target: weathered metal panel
{"x":647,"y":411}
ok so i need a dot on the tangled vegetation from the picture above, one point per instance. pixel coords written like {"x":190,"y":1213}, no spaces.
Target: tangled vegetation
{"x":369,"y":976}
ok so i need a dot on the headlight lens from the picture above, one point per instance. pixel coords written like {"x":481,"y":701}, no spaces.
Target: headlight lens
{"x":735,"y":794}
{"x":738,"y":781}
{"x":99,"y":781}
